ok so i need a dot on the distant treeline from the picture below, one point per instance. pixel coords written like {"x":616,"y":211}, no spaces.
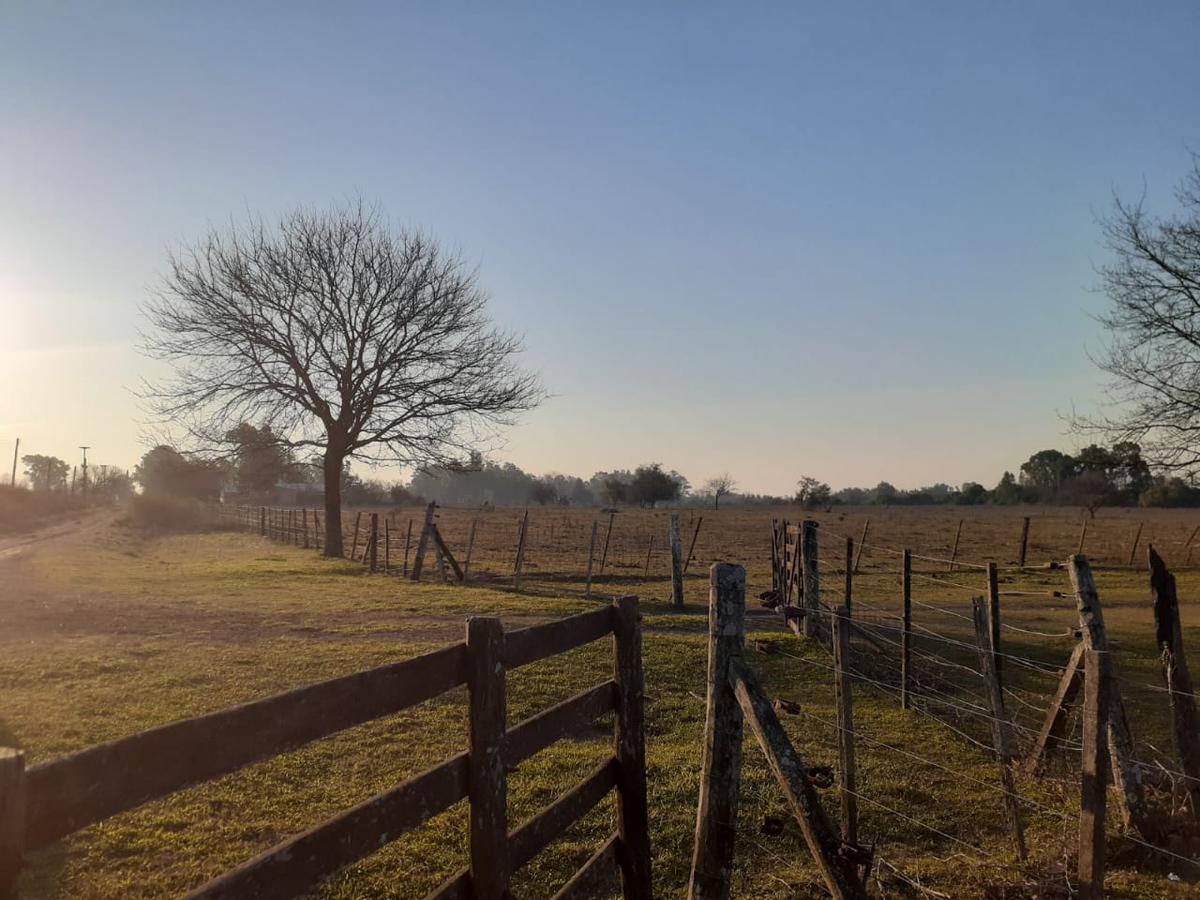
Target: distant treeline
{"x":260,"y":468}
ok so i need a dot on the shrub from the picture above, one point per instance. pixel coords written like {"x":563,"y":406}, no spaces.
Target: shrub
{"x":171,"y":514}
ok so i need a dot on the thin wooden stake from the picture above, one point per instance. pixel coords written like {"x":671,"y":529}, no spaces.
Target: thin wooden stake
{"x":844,"y":701}
{"x":607,"y":535}
{"x":387,"y":546}
{"x":470,"y":549}
{"x":354,"y":543}
{"x":374,"y":550}
{"x":422,"y":543}
{"x":1093,"y":796}
{"x":692,"y":546}
{"x":993,"y":620}
{"x":487,"y":776}
{"x":1188,"y":545}
{"x":407,"y":544}
{"x":1082,"y":537}
{"x":1137,"y":536}
{"x":999,"y":723}
{"x":1054,"y":725}
{"x":1024,"y":541}
{"x":304,"y":525}
{"x":957,"y":538}
{"x":520,"y":561}
{"x":721,"y":768}
{"x":649,"y":550}
{"x":848,"y":592}
{"x":676,"y":564}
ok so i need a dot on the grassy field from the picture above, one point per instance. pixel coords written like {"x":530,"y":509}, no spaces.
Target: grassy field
{"x":117,"y":631}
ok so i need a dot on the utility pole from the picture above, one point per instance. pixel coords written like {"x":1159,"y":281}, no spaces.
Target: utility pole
{"x":16,"y":450}
{"x":83,"y":490}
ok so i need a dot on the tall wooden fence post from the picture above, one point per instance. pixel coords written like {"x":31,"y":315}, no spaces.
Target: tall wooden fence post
{"x":1082,"y":537}
{"x":1024,"y":541}
{"x":676,"y":564}
{"x":906,"y":631}
{"x":387,"y":546}
{"x":993,"y":620}
{"x":304,"y":523}
{"x":607,"y":535}
{"x":812,"y":579}
{"x":487,"y":775}
{"x":999,"y":723}
{"x":262,"y":521}
{"x":407,"y":544}
{"x":721,"y":769}
{"x":629,"y":738}
{"x":1126,"y":775}
{"x":1093,"y":782}
{"x":587,"y":591}
{"x":844,"y":700}
{"x":848,"y":593}
{"x":354,"y":542}
{"x":1169,"y":637}
{"x":12,"y":820}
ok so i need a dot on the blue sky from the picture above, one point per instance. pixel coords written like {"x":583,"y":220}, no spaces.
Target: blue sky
{"x":855,"y":241}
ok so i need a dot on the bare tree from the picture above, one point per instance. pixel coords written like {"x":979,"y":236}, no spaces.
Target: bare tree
{"x":342,"y":335}
{"x":1153,"y":321}
{"x":719,"y":486}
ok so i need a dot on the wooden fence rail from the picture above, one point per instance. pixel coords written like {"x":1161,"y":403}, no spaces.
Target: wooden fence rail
{"x":51,"y":800}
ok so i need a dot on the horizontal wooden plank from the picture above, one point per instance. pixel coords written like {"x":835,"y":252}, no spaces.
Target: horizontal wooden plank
{"x":85,"y":787}
{"x":537,"y":832}
{"x":527,"y":645}
{"x":300,"y":863}
{"x":597,"y":876}
{"x":567,"y":719}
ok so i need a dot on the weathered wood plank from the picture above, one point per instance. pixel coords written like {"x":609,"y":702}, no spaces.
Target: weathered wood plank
{"x":12,"y":819}
{"x":92,"y":784}
{"x":300,"y":863}
{"x":844,"y":702}
{"x":596,"y":876}
{"x":487,"y":777}
{"x":535,"y":833}
{"x":527,"y":645}
{"x":676,"y":564}
{"x":1054,"y":725}
{"x":1093,"y":793}
{"x":570,"y":718}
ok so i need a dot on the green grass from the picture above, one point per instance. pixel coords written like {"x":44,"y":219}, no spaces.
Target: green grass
{"x":124,"y":632}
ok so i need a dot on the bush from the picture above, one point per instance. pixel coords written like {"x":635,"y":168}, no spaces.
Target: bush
{"x":23,"y":510}
{"x":170,"y":514}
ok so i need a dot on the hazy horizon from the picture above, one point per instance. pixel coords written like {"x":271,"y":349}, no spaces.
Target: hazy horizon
{"x":674,"y":206}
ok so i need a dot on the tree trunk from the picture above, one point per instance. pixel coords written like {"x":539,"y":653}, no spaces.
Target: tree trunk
{"x":333,"y":505}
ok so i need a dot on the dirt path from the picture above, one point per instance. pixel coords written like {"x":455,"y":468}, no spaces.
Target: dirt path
{"x":17,"y":544}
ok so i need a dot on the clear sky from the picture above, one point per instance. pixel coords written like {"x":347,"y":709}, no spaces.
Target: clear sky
{"x":855,"y":241}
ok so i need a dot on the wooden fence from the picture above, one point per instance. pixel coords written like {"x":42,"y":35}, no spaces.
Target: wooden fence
{"x":1109,"y":754}
{"x":49,"y":801}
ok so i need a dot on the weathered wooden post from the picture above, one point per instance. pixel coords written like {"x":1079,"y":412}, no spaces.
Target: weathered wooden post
{"x":520,"y":561}
{"x":487,"y":777}
{"x":262,"y":521}
{"x":906,"y":631}
{"x":812,"y":579}
{"x":1024,"y":541}
{"x":374,"y":554}
{"x":1188,"y":545}
{"x":1093,"y":793}
{"x":954,"y":549}
{"x":466,"y":570}
{"x":1054,"y":724}
{"x":12,"y":820}
{"x":676,"y":564}
{"x":1137,"y":536}
{"x":317,"y":529}
{"x":649,"y":553}
{"x":993,"y":620}
{"x":304,"y":523}
{"x":721,"y":769}
{"x":422,"y":543}
{"x":629,"y":739}
{"x":387,"y":546}
{"x":1082,"y":537}
{"x":587,"y":591}
{"x":692,"y":546}
{"x":844,"y":700}
{"x":1169,"y":637}
{"x":999,"y":722}
{"x":1125,"y":774}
